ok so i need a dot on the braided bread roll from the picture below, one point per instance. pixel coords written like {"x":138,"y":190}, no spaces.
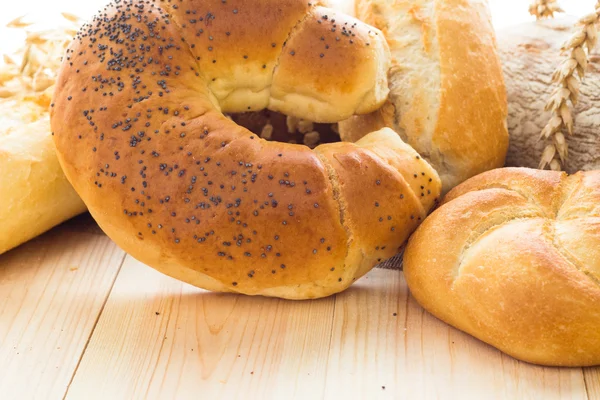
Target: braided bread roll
{"x":140,"y":133}
{"x":513,"y":258}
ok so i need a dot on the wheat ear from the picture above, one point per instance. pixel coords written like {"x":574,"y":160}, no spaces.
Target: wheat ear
{"x":568,"y":78}
{"x":544,"y":8}
{"x":31,"y":71}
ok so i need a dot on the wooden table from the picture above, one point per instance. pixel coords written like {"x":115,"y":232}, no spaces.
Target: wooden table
{"x":80,"y":319}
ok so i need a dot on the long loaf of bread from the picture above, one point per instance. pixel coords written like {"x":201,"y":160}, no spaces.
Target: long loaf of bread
{"x":34,"y":193}
{"x":447,"y":94}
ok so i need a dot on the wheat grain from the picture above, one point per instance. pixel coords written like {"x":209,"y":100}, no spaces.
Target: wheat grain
{"x":568,"y":77}
{"x":544,"y":8}
{"x":31,"y":71}
{"x":70,"y":17}
{"x":18,"y":23}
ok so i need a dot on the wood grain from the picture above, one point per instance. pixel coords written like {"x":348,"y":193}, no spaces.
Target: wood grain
{"x":592,"y":382}
{"x":160,"y":338}
{"x":384,"y":345}
{"x":153,"y":337}
{"x":52,"y":290}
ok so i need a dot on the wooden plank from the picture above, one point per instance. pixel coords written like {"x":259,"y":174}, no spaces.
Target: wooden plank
{"x":592,"y":382}
{"x":384,"y":345}
{"x":52,"y":290}
{"x":160,"y":338}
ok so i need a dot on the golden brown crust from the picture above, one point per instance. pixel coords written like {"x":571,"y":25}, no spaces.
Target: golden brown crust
{"x":35,"y":194}
{"x":511,"y":257}
{"x":446,"y":84}
{"x":331,"y":55}
{"x":230,"y":43}
{"x":379,"y":208}
{"x":471,"y":133}
{"x":358,"y":126}
{"x":184,"y":189}
{"x":422,"y":179}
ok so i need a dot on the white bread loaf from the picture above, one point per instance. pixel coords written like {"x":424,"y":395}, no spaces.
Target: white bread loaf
{"x":447,"y":97}
{"x":34,"y":193}
{"x":530,"y":52}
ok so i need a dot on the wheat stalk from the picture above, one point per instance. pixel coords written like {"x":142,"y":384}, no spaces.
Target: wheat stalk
{"x":568,"y":78}
{"x":31,"y":71}
{"x":544,"y":8}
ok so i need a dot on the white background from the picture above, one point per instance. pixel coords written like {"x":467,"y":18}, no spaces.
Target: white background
{"x":504,"y":13}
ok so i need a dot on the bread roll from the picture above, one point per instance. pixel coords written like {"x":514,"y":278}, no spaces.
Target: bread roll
{"x":34,"y":193}
{"x":513,"y":258}
{"x":530,"y":52}
{"x":141,"y":136}
{"x":447,"y":96}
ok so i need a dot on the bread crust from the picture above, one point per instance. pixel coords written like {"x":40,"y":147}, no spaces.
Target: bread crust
{"x":446,"y":84}
{"x":140,"y":134}
{"x":530,"y":52}
{"x":512,"y":258}
{"x":35,"y":194}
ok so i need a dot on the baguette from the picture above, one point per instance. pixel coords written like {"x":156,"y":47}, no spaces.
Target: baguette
{"x":34,"y":193}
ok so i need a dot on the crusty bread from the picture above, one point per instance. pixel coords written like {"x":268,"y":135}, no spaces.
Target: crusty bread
{"x":34,"y":193}
{"x":140,"y":135}
{"x":513,"y":258}
{"x":530,"y":52}
{"x":447,"y":92}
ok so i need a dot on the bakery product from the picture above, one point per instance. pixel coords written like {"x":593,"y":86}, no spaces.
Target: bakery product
{"x":34,"y":193}
{"x":513,"y":258}
{"x":530,"y":52}
{"x":140,"y":133}
{"x":447,"y":96}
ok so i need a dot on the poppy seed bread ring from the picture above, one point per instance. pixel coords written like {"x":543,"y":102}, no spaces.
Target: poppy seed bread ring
{"x":140,"y":133}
